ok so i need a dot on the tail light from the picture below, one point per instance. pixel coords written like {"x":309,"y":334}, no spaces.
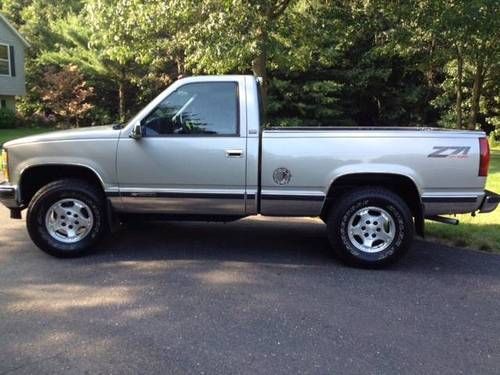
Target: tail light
{"x":484,"y":157}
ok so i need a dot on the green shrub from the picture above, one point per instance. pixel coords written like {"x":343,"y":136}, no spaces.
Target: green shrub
{"x":494,"y":138}
{"x":99,"y":116}
{"x":7,"y":118}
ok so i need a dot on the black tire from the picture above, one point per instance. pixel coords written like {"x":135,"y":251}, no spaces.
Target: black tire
{"x":348,"y":207}
{"x":51,"y":194}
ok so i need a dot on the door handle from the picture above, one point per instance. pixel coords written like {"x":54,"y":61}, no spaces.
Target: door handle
{"x":234,"y":153}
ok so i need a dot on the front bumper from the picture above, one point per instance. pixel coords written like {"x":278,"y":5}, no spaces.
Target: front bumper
{"x":490,"y":202}
{"x":8,"y":195}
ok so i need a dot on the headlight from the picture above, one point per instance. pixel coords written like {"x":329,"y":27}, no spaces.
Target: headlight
{"x":5,"y":165}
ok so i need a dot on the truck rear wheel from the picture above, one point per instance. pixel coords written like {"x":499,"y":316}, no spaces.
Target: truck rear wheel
{"x":66,"y":217}
{"x":370,"y":227}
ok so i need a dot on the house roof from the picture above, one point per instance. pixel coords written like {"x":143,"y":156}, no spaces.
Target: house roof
{"x":25,"y":42}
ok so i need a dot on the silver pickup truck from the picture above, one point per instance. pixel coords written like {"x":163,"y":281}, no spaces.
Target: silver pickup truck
{"x":198,"y":151}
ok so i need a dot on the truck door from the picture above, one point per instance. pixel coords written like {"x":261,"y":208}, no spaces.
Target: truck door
{"x":191,"y":156}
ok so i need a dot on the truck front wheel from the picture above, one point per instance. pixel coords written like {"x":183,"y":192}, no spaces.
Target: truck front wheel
{"x":370,"y":227}
{"x":66,"y":217}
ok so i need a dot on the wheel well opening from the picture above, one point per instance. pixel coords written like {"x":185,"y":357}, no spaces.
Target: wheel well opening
{"x":398,"y":184}
{"x":34,"y":178}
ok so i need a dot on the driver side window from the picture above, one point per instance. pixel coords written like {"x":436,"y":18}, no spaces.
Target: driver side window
{"x":209,"y":108}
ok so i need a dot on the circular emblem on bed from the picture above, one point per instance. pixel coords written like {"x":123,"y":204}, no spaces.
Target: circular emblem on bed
{"x":282,"y":176}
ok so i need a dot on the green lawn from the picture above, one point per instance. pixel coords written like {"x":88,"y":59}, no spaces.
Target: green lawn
{"x":9,"y":134}
{"x":481,"y":232}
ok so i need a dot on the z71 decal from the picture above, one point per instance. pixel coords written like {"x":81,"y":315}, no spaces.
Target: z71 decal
{"x":454,"y":152}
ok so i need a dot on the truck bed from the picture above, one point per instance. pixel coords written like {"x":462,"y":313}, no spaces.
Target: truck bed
{"x":315,"y":157}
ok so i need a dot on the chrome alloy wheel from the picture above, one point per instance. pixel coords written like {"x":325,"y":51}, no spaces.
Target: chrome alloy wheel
{"x":69,"y":220}
{"x":371,"y":229}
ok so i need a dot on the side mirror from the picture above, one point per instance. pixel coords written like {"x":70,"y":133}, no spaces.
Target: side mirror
{"x":136,"y":132}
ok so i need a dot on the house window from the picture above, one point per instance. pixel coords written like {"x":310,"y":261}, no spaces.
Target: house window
{"x":4,"y":60}
{"x":3,"y":103}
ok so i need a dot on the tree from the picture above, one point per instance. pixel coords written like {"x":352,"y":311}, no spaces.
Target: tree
{"x":344,"y":47}
{"x":12,"y":9}
{"x":233,"y":36}
{"x":464,"y":35}
{"x":324,"y":62}
{"x":115,"y":43}
{"x":115,"y":33}
{"x":66,"y":94}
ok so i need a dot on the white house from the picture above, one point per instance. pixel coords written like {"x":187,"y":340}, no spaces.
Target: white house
{"x":12,"y":77}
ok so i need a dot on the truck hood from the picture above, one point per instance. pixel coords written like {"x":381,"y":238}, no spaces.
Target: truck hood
{"x":94,"y":132}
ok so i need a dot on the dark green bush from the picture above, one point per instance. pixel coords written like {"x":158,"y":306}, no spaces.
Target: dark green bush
{"x":495,"y":138}
{"x":7,"y":118}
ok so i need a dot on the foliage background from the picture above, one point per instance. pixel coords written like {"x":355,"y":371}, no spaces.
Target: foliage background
{"x":324,"y":62}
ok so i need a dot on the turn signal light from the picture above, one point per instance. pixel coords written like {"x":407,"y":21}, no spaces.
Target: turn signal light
{"x":4,"y":166}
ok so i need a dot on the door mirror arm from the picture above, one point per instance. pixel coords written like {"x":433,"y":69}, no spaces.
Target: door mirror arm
{"x":136,"y":132}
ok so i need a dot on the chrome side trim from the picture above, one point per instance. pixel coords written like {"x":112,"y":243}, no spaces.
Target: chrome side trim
{"x":449,"y":199}
{"x":116,"y":202}
{"x":291,"y":203}
{"x":172,"y":192}
{"x":178,"y":205}
{"x":450,"y":204}
{"x":174,"y":201}
{"x":159,"y":194}
{"x":251,"y":202}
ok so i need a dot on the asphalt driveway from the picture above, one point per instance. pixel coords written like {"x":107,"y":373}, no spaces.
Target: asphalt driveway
{"x":254,"y":296}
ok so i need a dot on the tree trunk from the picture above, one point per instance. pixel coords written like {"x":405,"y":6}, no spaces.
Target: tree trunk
{"x":431,"y":70}
{"x":180,"y":66}
{"x":460,"y":68}
{"x":477,"y":88}
{"x":271,"y":12}
{"x":259,"y":64}
{"x":121,"y":100}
